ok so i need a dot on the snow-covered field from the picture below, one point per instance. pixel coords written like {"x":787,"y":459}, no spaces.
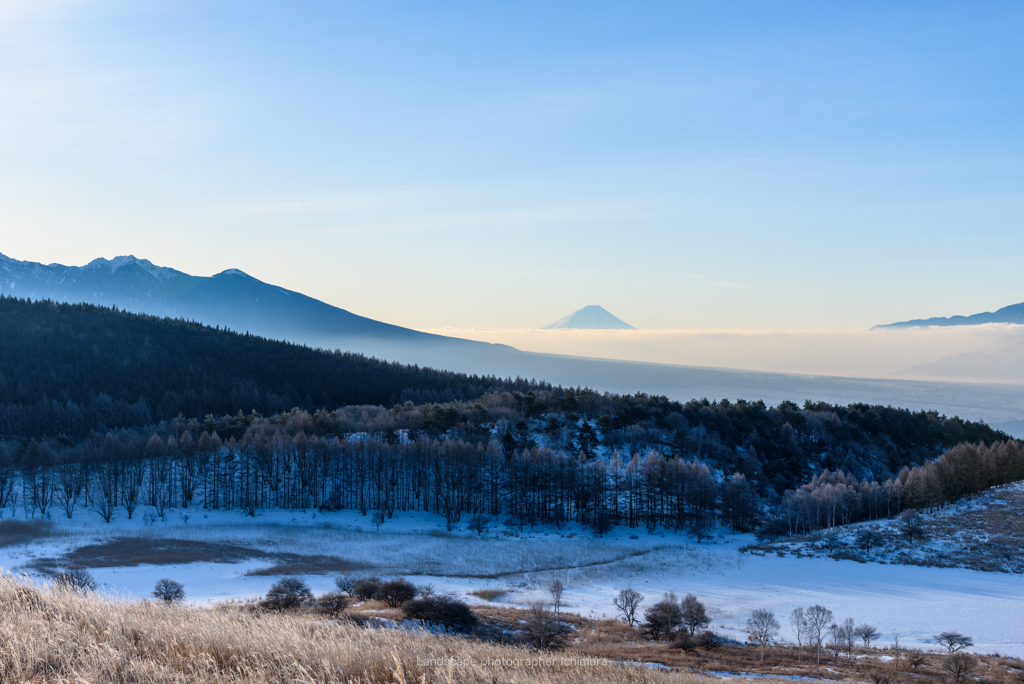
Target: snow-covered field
{"x":916,"y":602}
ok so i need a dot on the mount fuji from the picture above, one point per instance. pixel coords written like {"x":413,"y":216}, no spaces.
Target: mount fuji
{"x":590,"y":317}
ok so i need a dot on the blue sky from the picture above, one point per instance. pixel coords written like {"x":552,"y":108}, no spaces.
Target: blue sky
{"x":768,"y":166}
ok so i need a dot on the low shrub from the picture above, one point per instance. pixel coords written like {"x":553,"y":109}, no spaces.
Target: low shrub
{"x":288,"y":594}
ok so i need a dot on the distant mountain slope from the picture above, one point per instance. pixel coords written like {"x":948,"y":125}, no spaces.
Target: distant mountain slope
{"x":1008,"y":314}
{"x":72,"y":368}
{"x":590,"y":318}
{"x":230,"y":299}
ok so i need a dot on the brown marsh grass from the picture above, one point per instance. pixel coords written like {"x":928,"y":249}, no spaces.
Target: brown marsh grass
{"x":14,"y":532}
{"x":490,"y":594}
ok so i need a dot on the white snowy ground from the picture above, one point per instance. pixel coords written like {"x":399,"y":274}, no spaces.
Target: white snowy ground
{"x":916,"y":602}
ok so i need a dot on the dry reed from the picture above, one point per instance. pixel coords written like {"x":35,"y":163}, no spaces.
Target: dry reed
{"x":51,"y":635}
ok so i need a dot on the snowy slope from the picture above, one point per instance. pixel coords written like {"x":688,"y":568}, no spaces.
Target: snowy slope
{"x":917,"y":602}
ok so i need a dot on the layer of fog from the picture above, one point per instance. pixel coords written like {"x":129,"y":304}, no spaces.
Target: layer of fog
{"x":986,"y":353}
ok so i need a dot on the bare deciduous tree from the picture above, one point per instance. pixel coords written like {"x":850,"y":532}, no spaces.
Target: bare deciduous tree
{"x":761,"y":628}
{"x":867,"y":633}
{"x":844,"y":637}
{"x":479,"y":523}
{"x":663,"y":617}
{"x":954,"y":641}
{"x":169,"y":591}
{"x":818,"y":620}
{"x":628,"y":602}
{"x":798,"y":621}
{"x":556,"y":589}
{"x":911,"y":525}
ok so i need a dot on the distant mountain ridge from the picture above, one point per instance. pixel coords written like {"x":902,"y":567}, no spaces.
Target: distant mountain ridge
{"x":1013,"y":313}
{"x":231,"y":299}
{"x":591,"y":317}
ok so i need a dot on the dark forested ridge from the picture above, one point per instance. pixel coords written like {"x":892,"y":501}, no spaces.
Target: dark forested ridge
{"x":109,"y":410}
{"x":73,"y":368}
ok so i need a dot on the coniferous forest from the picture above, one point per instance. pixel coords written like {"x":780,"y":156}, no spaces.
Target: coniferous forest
{"x":102,"y":411}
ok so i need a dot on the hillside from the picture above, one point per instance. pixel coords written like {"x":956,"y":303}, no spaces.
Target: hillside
{"x":231,"y":299}
{"x":72,"y":368}
{"x":982,"y":532}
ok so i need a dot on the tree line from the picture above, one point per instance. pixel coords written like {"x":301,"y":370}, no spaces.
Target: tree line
{"x":275,"y":465}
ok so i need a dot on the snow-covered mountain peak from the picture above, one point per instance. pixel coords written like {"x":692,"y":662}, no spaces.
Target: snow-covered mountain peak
{"x":590,"y":317}
{"x":233,"y":271}
{"x":117,"y":263}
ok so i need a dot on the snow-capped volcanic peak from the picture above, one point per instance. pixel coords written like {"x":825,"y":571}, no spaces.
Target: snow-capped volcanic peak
{"x":590,"y":317}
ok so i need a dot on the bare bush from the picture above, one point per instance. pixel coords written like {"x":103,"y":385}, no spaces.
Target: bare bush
{"x":685,"y":641}
{"x":366,"y":588}
{"x":542,"y":628}
{"x":441,"y":609}
{"x":709,"y":641}
{"x":959,"y":665}
{"x":75,"y":579}
{"x":332,"y":604}
{"x":288,"y":593}
{"x":396,"y":592}
{"x":663,"y":617}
